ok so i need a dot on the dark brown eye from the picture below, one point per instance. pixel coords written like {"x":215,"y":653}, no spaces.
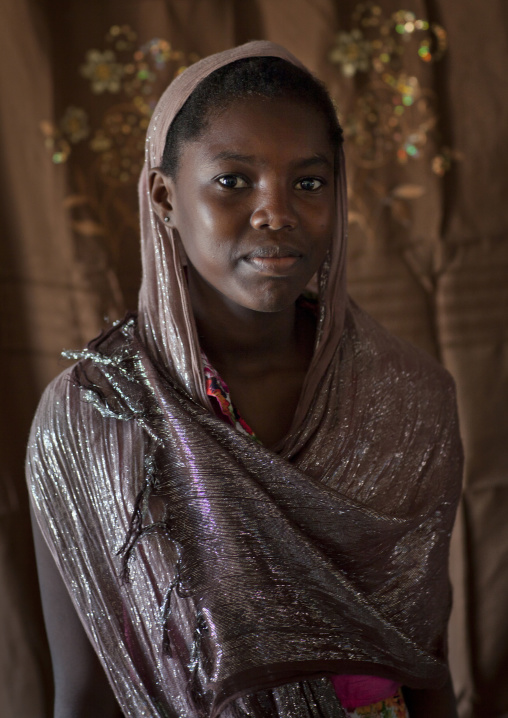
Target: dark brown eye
{"x":232,"y":181}
{"x":309,"y":184}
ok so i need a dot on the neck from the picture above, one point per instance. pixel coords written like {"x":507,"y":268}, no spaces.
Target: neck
{"x":229,"y":333}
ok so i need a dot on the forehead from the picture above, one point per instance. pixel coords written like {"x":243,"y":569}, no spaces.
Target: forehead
{"x":265,"y":129}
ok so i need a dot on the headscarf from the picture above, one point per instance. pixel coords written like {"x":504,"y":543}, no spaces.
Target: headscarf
{"x":166,"y":322}
{"x":253,"y":574}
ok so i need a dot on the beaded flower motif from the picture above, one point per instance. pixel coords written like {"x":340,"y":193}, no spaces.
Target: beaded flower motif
{"x":393,"y":119}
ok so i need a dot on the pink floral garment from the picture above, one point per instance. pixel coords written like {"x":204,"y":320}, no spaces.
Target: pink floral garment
{"x":394,"y":707}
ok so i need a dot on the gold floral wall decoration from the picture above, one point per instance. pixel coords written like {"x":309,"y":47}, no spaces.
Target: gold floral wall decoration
{"x":393,"y":119}
{"x":130,"y":72}
{"x":100,"y":141}
{"x":393,"y":114}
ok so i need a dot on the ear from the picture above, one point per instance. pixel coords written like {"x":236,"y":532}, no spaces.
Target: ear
{"x":162,"y":193}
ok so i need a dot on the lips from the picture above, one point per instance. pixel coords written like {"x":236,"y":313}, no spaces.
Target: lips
{"x":273,"y":260}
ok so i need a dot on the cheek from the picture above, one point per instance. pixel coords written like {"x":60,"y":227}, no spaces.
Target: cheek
{"x":324,"y":225}
{"x":194,"y":227}
{"x":210,"y":223}
{"x":206,"y":248}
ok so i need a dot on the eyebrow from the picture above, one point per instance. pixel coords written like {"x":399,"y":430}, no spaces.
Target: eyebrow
{"x":316,"y":159}
{"x":303,"y":163}
{"x":228,"y":155}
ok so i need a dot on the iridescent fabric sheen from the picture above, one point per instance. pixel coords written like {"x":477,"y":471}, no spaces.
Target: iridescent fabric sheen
{"x":253,"y":574}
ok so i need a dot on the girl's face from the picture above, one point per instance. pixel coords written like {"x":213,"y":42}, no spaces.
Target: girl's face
{"x":253,"y":202}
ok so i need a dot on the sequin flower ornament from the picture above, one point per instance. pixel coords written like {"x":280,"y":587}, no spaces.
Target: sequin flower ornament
{"x":135,"y":75}
{"x":393,"y":113}
{"x":104,"y":73}
{"x":74,"y":124}
{"x":352,"y":52}
{"x":100,"y":136}
{"x":392,"y":119}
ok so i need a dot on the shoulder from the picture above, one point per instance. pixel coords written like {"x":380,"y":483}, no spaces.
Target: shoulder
{"x":59,"y":408}
{"x":71,"y":441}
{"x":407,"y":401}
{"x":397,"y":360}
{"x":406,"y":389}
{"x":61,"y":411}
{"x":55,"y":439}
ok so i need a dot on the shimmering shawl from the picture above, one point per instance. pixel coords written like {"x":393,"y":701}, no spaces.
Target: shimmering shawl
{"x":214,"y":575}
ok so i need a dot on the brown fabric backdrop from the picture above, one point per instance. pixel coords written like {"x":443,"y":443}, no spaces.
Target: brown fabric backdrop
{"x":431,"y":264}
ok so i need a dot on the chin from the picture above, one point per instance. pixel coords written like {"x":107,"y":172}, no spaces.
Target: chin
{"x":271,"y":301}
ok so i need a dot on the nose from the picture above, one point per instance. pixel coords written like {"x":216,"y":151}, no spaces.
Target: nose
{"x":274,"y":210}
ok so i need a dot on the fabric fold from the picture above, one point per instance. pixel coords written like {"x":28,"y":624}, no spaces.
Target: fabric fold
{"x":283,"y":571}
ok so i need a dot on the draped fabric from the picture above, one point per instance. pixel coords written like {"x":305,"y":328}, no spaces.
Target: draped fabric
{"x":271,"y":568}
{"x":438,"y":280}
{"x":249,"y":569}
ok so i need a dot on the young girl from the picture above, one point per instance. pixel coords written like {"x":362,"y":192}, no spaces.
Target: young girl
{"x":248,"y":493}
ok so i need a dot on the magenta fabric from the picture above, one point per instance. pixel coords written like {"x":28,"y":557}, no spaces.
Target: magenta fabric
{"x":354,"y":691}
